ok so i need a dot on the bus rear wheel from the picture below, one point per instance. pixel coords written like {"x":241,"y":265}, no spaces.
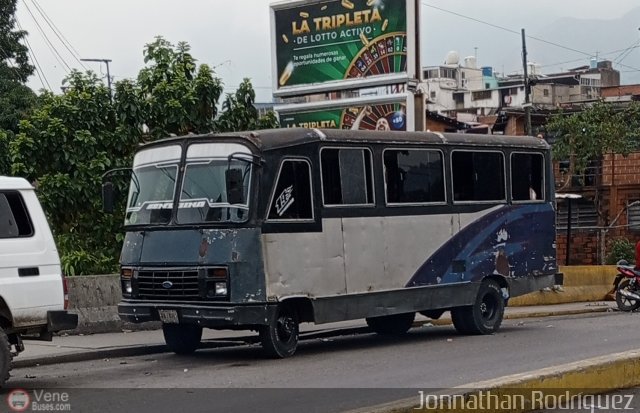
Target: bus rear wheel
{"x":279,"y":338}
{"x":391,"y":325}
{"x":485,"y":315}
{"x":182,"y":338}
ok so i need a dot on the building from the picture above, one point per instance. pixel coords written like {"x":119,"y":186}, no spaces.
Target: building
{"x":462,"y":91}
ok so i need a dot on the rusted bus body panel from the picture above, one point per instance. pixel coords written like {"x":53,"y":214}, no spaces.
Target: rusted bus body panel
{"x":236,"y":249}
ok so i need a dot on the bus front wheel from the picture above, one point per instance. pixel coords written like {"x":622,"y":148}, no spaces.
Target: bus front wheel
{"x":182,"y":338}
{"x":391,"y":325}
{"x":485,"y":315}
{"x":279,"y":338}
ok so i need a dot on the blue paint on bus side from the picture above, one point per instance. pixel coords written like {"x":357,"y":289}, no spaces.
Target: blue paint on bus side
{"x":513,"y":241}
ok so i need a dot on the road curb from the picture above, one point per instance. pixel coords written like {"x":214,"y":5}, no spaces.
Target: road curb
{"x":148,"y":349}
{"x":587,"y":377}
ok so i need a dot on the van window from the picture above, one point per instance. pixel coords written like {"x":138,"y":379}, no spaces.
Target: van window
{"x":527,"y":172}
{"x":14,"y":219}
{"x":346,"y":176}
{"x":292,"y":198}
{"x":413,"y":176}
{"x":478,"y":176}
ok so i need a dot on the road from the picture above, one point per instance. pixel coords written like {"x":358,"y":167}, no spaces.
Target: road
{"x":332,"y":374}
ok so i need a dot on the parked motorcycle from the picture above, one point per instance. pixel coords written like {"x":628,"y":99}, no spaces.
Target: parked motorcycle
{"x":627,"y":286}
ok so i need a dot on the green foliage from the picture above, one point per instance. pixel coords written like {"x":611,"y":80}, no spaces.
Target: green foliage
{"x":620,"y":249}
{"x":5,"y":160}
{"x":176,"y":97}
{"x":16,"y":99}
{"x":65,"y":146}
{"x":239,"y":113}
{"x":593,"y":132}
{"x":69,"y":141}
{"x":14,"y":60}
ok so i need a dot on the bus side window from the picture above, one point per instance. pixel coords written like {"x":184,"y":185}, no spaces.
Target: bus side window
{"x":414,"y":176}
{"x":292,"y":196}
{"x":346,"y":176}
{"x":527,"y":176}
{"x":478,"y":176}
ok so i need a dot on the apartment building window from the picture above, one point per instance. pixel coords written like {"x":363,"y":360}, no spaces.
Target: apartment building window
{"x":448,"y":73}
{"x":481,"y":95}
{"x":431,"y":74}
{"x":458,"y":98}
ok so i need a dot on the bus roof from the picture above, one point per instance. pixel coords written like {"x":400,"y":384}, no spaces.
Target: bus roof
{"x":282,"y":138}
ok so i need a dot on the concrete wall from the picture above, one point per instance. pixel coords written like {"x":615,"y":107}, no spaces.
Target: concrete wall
{"x":95,"y":298}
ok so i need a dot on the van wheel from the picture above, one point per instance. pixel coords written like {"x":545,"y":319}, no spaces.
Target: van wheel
{"x":391,"y":325}
{"x":279,"y":338}
{"x":5,"y":357}
{"x":485,"y":315}
{"x":182,"y":338}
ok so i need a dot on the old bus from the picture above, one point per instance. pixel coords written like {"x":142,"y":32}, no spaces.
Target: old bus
{"x":266,"y":230}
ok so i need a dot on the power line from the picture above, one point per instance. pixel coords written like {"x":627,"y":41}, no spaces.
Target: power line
{"x":38,"y":70}
{"x":518,"y":33}
{"x":55,"y":52}
{"x":59,"y":34}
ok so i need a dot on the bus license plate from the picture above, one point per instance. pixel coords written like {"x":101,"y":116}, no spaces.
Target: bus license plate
{"x":168,"y":316}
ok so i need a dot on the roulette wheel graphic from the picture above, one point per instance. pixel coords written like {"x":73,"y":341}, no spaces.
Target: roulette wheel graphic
{"x":382,"y":55}
{"x":378,"y":117}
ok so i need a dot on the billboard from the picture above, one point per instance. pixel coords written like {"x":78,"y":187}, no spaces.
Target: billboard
{"x":391,"y":116}
{"x":339,"y":44}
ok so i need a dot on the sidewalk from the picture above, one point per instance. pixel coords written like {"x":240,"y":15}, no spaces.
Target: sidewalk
{"x":66,"y":349}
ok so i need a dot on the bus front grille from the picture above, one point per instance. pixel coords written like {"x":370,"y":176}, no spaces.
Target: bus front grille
{"x":168,"y":285}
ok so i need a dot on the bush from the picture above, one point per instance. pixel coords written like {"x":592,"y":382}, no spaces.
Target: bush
{"x":621,"y":249}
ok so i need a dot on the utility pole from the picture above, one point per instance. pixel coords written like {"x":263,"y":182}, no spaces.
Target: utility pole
{"x":527,"y":88}
{"x":106,"y":62}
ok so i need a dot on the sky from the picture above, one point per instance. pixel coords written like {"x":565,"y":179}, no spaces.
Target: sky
{"x":233,"y":36}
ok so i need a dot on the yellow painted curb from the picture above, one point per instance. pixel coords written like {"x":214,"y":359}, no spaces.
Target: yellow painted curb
{"x":581,"y":284}
{"x":575,"y":382}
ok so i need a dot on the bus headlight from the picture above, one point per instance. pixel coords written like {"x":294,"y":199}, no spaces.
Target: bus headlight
{"x":221,"y":288}
{"x":126,"y":286}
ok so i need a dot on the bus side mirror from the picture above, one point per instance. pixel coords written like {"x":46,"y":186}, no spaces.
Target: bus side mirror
{"x":235,"y":186}
{"x":107,"y":198}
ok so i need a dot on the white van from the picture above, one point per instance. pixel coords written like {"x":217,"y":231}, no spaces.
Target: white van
{"x":33,"y":295}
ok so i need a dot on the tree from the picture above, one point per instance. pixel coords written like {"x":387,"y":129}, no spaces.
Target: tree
{"x":586,"y":136}
{"x":64,"y":147}
{"x":14,"y":60}
{"x":16,"y":99}
{"x":176,"y":96}
{"x":69,"y":141}
{"x":239,"y":112}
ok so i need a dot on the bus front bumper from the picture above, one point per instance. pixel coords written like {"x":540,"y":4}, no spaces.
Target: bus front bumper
{"x":206,"y":315}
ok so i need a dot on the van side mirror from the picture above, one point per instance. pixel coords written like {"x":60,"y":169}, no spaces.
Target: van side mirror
{"x":235,"y":186}
{"x":107,"y":198}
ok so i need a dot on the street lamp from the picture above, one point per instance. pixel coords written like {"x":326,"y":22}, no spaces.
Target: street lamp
{"x":106,"y":62}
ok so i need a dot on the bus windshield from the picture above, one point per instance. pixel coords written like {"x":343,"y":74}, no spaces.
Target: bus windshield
{"x":153,"y":185}
{"x":215,"y":185}
{"x":205,"y":189}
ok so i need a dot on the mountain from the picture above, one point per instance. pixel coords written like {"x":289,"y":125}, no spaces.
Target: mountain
{"x":617,"y":40}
